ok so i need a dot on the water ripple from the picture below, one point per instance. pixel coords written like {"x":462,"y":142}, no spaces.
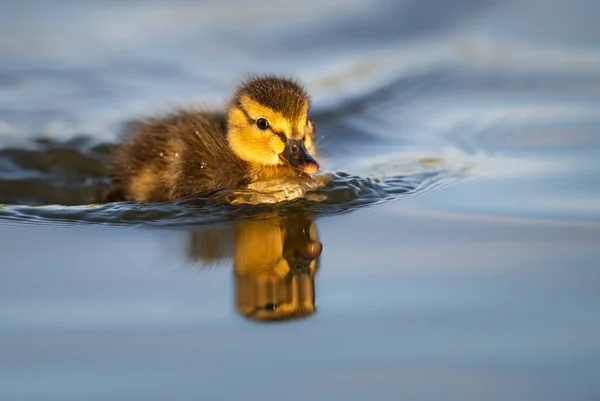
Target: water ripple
{"x":342,"y":194}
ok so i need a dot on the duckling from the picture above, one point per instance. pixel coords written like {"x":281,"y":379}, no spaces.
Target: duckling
{"x":265,"y":134}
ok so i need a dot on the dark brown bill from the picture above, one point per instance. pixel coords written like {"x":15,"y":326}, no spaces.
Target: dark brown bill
{"x":296,"y":154}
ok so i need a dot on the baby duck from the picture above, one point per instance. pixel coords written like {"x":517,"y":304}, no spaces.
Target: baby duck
{"x":265,"y":134}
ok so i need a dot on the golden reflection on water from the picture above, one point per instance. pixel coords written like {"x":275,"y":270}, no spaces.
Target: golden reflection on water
{"x":275,"y":260}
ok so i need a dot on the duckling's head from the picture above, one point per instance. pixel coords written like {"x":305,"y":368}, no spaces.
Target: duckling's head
{"x":268,"y":124}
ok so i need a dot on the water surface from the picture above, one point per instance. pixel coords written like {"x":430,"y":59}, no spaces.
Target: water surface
{"x":454,"y":256}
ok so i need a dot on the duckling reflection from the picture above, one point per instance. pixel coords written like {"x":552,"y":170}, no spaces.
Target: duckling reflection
{"x":275,"y":260}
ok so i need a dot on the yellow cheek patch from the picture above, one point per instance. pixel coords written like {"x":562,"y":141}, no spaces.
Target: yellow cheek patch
{"x":237,"y":118}
{"x":301,"y":123}
{"x":255,"y":110}
{"x":277,"y":144}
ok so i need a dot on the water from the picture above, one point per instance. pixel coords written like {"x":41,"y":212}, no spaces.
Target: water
{"x":454,"y":255}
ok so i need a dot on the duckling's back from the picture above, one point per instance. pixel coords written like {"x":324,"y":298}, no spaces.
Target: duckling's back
{"x":182,"y":154}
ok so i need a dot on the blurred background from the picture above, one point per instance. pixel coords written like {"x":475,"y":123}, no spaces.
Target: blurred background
{"x":458,"y":249}
{"x":73,"y":67}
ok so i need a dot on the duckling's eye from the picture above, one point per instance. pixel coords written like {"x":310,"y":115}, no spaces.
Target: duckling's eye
{"x":261,"y":123}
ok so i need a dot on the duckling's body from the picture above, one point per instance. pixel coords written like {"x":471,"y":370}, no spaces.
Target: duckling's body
{"x":264,"y":135}
{"x":184,"y":154}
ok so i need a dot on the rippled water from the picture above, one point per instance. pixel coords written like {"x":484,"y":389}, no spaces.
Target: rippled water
{"x":51,"y":182}
{"x":455,"y":251}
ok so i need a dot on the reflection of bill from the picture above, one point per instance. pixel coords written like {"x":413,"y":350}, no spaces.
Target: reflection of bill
{"x":275,"y":261}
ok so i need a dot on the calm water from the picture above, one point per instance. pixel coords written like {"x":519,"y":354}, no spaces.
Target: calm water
{"x":455,"y":256}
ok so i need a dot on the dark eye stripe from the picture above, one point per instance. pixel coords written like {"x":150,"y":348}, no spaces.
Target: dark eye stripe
{"x":280,"y":134}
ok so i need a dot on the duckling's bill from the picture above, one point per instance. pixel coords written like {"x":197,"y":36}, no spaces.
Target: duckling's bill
{"x":295,"y":154}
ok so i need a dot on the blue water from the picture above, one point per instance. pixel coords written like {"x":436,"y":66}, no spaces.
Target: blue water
{"x":459,"y":245}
